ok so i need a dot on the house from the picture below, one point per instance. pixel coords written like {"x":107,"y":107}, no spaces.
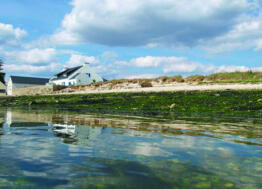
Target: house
{"x":80,"y":75}
{"x":2,"y":89}
{"x":18,"y":82}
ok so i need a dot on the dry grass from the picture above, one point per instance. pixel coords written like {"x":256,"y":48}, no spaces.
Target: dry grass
{"x":195,"y":78}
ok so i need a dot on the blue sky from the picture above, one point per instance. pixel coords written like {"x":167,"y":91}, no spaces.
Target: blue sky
{"x":131,"y":38}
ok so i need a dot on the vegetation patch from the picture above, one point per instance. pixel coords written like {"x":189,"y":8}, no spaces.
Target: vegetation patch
{"x":244,"y":102}
{"x":146,"y":84}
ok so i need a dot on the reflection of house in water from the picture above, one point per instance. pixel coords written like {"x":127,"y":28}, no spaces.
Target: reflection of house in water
{"x":64,"y":129}
{"x":83,"y":135}
{"x":87,"y":134}
{"x":12,"y":122}
{"x":8,"y":118}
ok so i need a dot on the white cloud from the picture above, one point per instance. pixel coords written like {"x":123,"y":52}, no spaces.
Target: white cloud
{"x":151,"y":61}
{"x":15,"y":69}
{"x":152,"y":22}
{"x":244,"y":35}
{"x":32,"y":56}
{"x":141,"y":76}
{"x":109,"y":56}
{"x":10,"y":35}
{"x":179,"y":65}
{"x":76,"y":60}
{"x":259,"y":44}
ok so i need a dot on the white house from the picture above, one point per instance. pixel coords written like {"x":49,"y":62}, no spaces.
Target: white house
{"x":18,"y":82}
{"x":80,"y":75}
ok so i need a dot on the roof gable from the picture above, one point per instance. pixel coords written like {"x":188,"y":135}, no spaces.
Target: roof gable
{"x":67,"y":73}
{"x":29,"y":80}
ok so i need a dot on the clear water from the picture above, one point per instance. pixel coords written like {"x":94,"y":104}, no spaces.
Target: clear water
{"x":66,"y":149}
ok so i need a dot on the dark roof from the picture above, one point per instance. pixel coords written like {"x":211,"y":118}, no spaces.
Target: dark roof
{"x":29,"y":80}
{"x":66,"y":73}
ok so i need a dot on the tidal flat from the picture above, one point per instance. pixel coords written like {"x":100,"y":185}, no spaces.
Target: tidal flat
{"x":59,"y":148}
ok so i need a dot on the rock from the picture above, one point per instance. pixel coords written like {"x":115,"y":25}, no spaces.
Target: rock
{"x":259,"y":100}
{"x":172,"y":106}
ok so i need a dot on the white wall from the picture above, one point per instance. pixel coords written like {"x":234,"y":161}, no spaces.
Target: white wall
{"x":64,"y":82}
{"x":9,"y":87}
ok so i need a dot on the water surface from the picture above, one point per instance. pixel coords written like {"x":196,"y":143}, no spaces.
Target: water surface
{"x":69,"y":149}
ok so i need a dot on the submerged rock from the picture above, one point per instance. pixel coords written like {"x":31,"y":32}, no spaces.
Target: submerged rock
{"x":172,"y":106}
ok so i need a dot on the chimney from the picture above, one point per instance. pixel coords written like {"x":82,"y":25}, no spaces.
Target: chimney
{"x":64,"y":68}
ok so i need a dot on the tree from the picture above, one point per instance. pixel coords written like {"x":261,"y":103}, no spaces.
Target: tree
{"x":1,"y":64}
{"x":2,"y":75}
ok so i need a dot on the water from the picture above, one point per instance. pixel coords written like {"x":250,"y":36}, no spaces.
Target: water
{"x":68,"y":149}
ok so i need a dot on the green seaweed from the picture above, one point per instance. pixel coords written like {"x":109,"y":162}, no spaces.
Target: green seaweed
{"x":230,"y":102}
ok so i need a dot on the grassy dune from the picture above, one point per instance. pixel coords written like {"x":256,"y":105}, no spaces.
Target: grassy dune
{"x":225,"y":77}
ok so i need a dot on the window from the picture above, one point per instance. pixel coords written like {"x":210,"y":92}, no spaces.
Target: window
{"x":89,"y":75}
{"x":69,"y":83}
{"x":63,"y":83}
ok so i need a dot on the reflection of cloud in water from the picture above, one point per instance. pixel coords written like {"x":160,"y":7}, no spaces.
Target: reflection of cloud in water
{"x":190,"y":144}
{"x":30,"y":148}
{"x":148,"y":149}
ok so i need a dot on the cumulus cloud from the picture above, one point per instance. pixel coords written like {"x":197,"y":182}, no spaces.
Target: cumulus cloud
{"x":143,"y":76}
{"x":181,"y":65}
{"x":139,"y":23}
{"x":38,"y":62}
{"x":9,"y":35}
{"x":244,"y":35}
{"x":44,"y":70}
{"x":32,"y":56}
{"x":77,"y":59}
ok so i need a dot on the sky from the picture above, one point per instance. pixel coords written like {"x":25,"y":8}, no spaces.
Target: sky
{"x":131,"y":38}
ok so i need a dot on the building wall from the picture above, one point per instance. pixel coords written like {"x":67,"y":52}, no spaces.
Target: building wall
{"x":9,"y":87}
{"x":87,"y":76}
{"x":12,"y":88}
{"x":38,"y":90}
{"x":65,"y":82}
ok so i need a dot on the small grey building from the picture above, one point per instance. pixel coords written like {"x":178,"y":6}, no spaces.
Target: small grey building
{"x":80,"y":75}
{"x":18,"y":82}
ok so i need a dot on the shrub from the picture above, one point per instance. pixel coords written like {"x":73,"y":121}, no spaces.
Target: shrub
{"x":177,"y":78}
{"x":145,"y":84}
{"x":98,"y":84}
{"x":58,"y":87}
{"x":163,"y":79}
{"x":195,"y":78}
{"x":166,"y":79}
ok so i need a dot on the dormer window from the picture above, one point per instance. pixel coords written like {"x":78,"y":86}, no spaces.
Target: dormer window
{"x":64,"y":75}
